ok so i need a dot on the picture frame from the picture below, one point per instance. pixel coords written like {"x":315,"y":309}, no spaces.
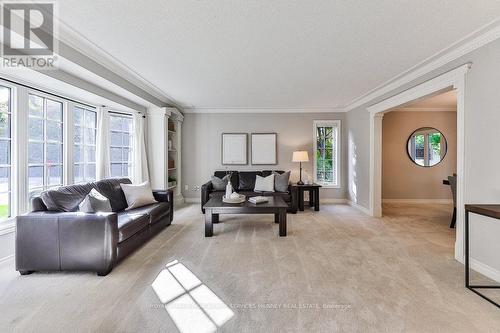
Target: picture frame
{"x":234,"y":149}
{"x":264,"y":148}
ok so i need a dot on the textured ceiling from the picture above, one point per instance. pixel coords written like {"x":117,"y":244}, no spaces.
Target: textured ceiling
{"x":273,"y":54}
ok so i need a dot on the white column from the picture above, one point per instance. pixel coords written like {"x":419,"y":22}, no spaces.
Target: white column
{"x":157,"y":147}
{"x":178,"y":190}
{"x":376,"y":164}
{"x":102,"y":149}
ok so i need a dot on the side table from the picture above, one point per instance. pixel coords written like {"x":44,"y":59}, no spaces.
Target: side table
{"x":313,"y":190}
{"x":488,"y":210}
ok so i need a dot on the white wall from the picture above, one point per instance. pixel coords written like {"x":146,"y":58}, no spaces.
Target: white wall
{"x":482,"y":135}
{"x":201,"y":141}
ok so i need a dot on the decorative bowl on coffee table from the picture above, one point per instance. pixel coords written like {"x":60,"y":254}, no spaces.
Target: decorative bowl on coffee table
{"x":240,"y":199}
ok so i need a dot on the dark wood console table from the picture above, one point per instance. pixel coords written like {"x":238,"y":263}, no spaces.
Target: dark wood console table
{"x":492,"y":211}
{"x":313,"y":195}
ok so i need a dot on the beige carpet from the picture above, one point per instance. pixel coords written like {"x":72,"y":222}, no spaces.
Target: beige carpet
{"x":338,"y":270}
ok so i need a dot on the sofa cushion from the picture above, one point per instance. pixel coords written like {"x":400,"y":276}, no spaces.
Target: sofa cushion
{"x":138,"y":195}
{"x":234,"y":177}
{"x":66,"y":198}
{"x":249,"y":194}
{"x":247,"y":180}
{"x":284,"y":195}
{"x":281,"y":181}
{"x":264,"y":184}
{"x":219,"y":184}
{"x":130,"y":223}
{"x":112,"y":190}
{"x":156,"y":212}
{"x":94,"y":202}
{"x":266,"y":173}
{"x":216,"y":194}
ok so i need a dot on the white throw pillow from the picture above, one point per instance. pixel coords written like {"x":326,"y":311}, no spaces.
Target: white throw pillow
{"x":264,"y":184}
{"x":138,"y":195}
{"x":95,"y":202}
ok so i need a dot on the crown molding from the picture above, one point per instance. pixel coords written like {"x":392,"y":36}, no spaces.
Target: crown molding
{"x":477,"y":39}
{"x":263,"y":110}
{"x":72,"y":39}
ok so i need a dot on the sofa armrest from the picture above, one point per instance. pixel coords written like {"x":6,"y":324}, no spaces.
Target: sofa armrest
{"x":66,"y":241}
{"x":165,"y":196}
{"x":206,"y":189}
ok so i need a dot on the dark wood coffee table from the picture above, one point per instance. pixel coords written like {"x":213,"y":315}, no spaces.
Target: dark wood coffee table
{"x":216,"y":206}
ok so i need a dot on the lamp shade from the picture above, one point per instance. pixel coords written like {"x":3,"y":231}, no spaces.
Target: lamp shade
{"x":300,"y":156}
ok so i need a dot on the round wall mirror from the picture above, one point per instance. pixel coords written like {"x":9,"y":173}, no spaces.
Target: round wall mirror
{"x":427,"y":147}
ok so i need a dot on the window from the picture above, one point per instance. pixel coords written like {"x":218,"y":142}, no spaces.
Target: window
{"x":121,"y":127}
{"x":45,"y":144}
{"x":5,"y":153}
{"x":84,"y":149}
{"x":326,"y":152}
{"x":427,"y":146}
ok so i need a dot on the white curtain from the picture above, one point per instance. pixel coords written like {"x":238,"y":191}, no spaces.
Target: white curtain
{"x":140,"y":171}
{"x":102,"y":150}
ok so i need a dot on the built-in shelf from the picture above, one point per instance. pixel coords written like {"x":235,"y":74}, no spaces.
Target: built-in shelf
{"x":172,"y":187}
{"x":175,"y":150}
{"x":170,"y":169}
{"x":169,"y":131}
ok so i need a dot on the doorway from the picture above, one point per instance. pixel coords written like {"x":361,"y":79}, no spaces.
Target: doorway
{"x":419,"y":159}
{"x":452,"y":80}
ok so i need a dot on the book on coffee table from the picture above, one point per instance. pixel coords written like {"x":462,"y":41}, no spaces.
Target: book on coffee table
{"x":259,"y":199}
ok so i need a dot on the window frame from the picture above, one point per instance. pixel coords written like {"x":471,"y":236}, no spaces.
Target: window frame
{"x":64,"y":158}
{"x":130,"y":146}
{"x":10,"y":192}
{"x":82,"y":144}
{"x":20,"y":91}
{"x":338,"y":144}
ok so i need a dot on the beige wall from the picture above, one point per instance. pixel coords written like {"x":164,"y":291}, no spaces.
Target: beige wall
{"x":403,"y":179}
{"x":201,"y":145}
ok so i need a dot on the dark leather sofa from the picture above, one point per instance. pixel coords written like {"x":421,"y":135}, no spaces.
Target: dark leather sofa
{"x":244,"y":183}
{"x":60,"y":238}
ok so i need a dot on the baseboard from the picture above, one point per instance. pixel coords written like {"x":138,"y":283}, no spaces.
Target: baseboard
{"x":323,"y":201}
{"x":485,"y":270}
{"x":418,"y":201}
{"x":333,"y":201}
{"x":359,"y":207}
{"x":6,"y":258}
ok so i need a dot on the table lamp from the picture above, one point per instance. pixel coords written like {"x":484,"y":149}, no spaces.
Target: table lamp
{"x":300,"y":156}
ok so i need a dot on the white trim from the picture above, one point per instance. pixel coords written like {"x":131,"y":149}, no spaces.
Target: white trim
{"x":454,"y":79}
{"x":263,"y":110}
{"x":332,"y":201}
{"x":7,"y":227}
{"x":418,"y":201}
{"x":479,"y":38}
{"x":6,"y":258}
{"x":338,"y":142}
{"x":322,"y":201}
{"x":358,"y":207}
{"x":485,"y":270}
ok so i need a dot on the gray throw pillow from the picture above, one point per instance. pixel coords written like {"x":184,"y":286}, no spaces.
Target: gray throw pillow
{"x":95,"y":202}
{"x":281,"y":181}
{"x":220,"y":184}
